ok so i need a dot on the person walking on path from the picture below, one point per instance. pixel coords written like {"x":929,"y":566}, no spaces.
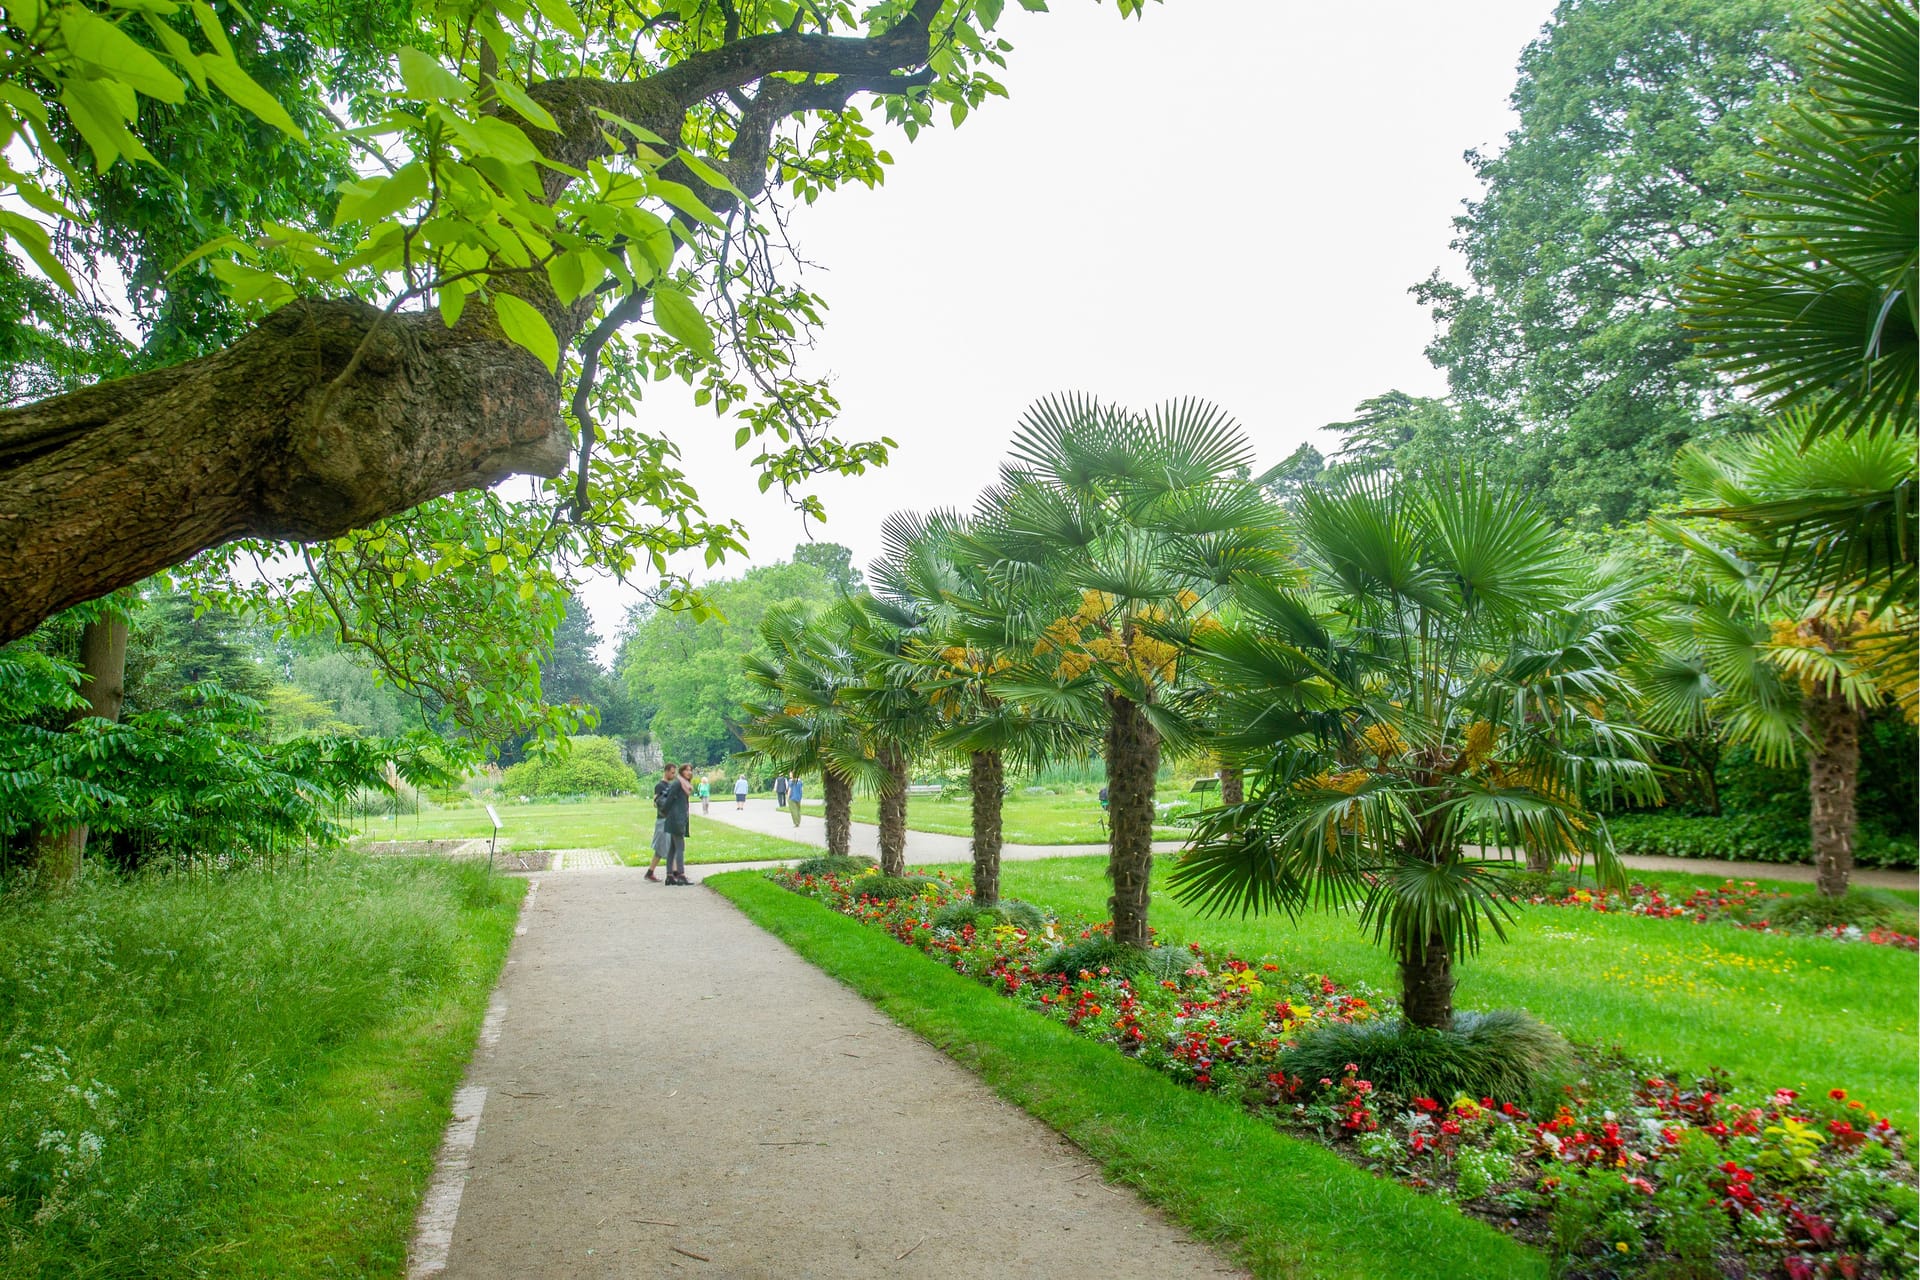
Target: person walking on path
{"x":780,"y":792}
{"x":740,"y":789}
{"x":668,"y":778}
{"x":793,"y":798}
{"x":679,"y":797}
{"x":706,"y":795}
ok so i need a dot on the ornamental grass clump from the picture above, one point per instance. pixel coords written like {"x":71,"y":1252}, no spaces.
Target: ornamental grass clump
{"x":1856,"y":908}
{"x":1022,"y":915}
{"x":885,"y":888}
{"x":1093,"y":955}
{"x":835,"y":864}
{"x":1502,"y":1054}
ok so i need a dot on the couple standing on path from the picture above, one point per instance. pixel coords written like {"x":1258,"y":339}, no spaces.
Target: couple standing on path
{"x":672,"y":801}
{"x":786,"y":795}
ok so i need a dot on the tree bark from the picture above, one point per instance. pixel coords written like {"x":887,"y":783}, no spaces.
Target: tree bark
{"x":986,"y":778}
{"x":273,"y":437}
{"x":838,"y":792}
{"x":58,"y":855}
{"x":1426,"y":984}
{"x":1133,"y":760}
{"x":893,"y":811}
{"x":1233,"y":784}
{"x":1539,"y":859}
{"x":1833,"y":776}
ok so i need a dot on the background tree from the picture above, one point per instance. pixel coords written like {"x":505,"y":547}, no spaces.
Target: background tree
{"x":890,"y":710}
{"x":1442,"y":680}
{"x":833,"y":560}
{"x":1565,"y":352}
{"x":1125,"y":524}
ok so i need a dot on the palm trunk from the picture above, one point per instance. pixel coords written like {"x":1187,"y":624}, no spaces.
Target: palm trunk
{"x":57,"y":855}
{"x":1233,"y":783}
{"x":986,"y":778}
{"x":1833,"y":776}
{"x":1133,"y":759}
{"x":1539,"y":859}
{"x":893,"y":812}
{"x":838,"y":793}
{"x":1426,"y":984}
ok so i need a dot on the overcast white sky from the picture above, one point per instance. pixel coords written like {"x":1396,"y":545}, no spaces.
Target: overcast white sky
{"x":1226,"y":198}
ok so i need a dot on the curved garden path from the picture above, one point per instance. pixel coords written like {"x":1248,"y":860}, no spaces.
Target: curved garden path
{"x":663,"y":1089}
{"x":924,"y":847}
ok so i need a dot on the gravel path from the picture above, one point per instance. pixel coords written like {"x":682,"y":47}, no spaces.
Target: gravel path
{"x":924,"y":847}
{"x":667,"y":1090}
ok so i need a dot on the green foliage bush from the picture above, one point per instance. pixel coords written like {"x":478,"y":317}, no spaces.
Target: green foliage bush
{"x":1745,"y":838}
{"x":1093,"y":954}
{"x":1022,"y":915}
{"x":591,"y":766}
{"x":833,"y":864}
{"x":151,"y":1031}
{"x":886,"y":888}
{"x":1504,"y":1054}
{"x":1856,"y":906}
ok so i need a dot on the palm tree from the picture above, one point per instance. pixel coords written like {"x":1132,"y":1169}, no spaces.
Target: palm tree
{"x":795,"y":718}
{"x":971,"y":629}
{"x":1121,"y":524}
{"x":1748,"y":650}
{"x":1440,"y":680}
{"x":1820,"y":312}
{"x":890,"y":712}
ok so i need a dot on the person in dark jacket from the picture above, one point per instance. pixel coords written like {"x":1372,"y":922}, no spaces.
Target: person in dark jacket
{"x":780,"y":792}
{"x":677,"y":795}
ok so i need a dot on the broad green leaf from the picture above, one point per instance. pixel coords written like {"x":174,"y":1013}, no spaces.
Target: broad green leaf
{"x":988,"y":12}
{"x":92,"y":106}
{"x":210,"y":28}
{"x":707,"y":173}
{"x":561,"y":15}
{"x":247,"y":285}
{"x":453,"y":300}
{"x":506,"y":140}
{"x":530,"y":111}
{"x":427,"y":80}
{"x":178,"y":49}
{"x":32,"y":237}
{"x":674,"y":312}
{"x":96,"y":41}
{"x":374,"y":199}
{"x":527,"y":328}
{"x":681,"y":197}
{"x":247,"y":93}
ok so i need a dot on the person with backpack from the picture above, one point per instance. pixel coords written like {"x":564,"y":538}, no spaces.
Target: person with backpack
{"x":780,"y":792}
{"x":660,"y":841}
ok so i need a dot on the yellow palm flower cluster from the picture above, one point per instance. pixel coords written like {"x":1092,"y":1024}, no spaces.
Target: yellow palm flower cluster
{"x":1086,"y":636}
{"x":1383,"y":740}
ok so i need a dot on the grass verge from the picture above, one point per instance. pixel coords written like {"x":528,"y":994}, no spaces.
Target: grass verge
{"x":239,"y":1078}
{"x":1282,"y":1206}
{"x":624,"y":826}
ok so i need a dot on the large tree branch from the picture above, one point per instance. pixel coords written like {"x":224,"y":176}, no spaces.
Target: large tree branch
{"x":106,"y":486}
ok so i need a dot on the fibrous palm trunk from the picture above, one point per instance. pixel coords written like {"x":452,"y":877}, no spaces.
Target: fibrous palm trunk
{"x":1833,"y":776}
{"x":986,"y":776}
{"x":893,"y":811}
{"x":1233,"y":783}
{"x":57,"y":855}
{"x":838,"y":792}
{"x":1426,"y":984}
{"x":1539,"y":858}
{"x":1133,"y":758}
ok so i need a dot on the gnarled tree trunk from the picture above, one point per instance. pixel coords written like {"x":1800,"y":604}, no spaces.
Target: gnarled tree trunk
{"x":1426,"y":984}
{"x":986,"y":783}
{"x":57,"y":855}
{"x":1133,"y":760}
{"x":1233,"y":784}
{"x":1833,"y":776}
{"x":893,"y":811}
{"x":838,"y":793}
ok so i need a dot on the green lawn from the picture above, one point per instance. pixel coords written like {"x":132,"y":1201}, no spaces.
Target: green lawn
{"x":1028,"y":819}
{"x":242,"y":1077}
{"x":624,"y":826}
{"x":1776,"y":1011}
{"x":1285,"y":1207}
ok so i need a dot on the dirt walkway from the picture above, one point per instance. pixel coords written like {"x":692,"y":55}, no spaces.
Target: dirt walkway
{"x":924,"y":848}
{"x":668,"y":1090}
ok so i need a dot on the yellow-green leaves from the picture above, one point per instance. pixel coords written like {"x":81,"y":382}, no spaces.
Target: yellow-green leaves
{"x":245,"y":92}
{"x":427,"y":80}
{"x":373,"y":199}
{"x":111,"y":55}
{"x":526,"y":327}
{"x":561,"y":15}
{"x":674,"y":312}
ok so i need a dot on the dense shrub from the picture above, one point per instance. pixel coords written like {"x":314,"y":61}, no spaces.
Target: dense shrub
{"x":886,"y":888}
{"x":1501,"y":1054}
{"x":1093,"y":955}
{"x":1860,"y":908}
{"x":1022,"y":915}
{"x":833,"y":864}
{"x":589,"y":766}
{"x":1745,"y":838}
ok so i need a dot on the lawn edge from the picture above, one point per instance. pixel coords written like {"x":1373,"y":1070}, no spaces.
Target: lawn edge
{"x":1184,"y":1151}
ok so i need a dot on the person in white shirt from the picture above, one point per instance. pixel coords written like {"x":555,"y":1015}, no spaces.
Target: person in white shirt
{"x":740,"y":789}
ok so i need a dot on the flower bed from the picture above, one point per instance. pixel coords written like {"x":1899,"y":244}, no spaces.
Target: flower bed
{"x":1632,"y":1173}
{"x":1742,"y":904}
